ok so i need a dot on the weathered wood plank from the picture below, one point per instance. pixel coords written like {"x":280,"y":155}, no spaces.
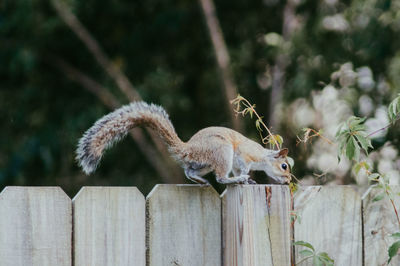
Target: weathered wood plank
{"x":35,"y":227}
{"x":109,"y":226}
{"x":329,"y":219}
{"x":256,"y":225}
{"x":184,"y":226}
{"x":379,"y":223}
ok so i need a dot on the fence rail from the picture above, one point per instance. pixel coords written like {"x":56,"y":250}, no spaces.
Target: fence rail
{"x":191,"y":225}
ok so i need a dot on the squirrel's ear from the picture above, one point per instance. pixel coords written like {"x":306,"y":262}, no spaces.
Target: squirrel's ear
{"x":282,"y":153}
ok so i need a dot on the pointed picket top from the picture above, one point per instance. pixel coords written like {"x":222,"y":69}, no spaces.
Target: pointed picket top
{"x":35,"y":226}
{"x":380,"y":223}
{"x":329,"y":218}
{"x":184,"y":225}
{"x":109,"y":226}
{"x":256,"y":225}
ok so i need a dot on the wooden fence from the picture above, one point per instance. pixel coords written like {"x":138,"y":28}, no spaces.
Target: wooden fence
{"x":189,"y":225}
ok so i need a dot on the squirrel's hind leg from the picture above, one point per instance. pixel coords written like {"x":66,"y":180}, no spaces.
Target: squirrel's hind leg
{"x":194,"y":175}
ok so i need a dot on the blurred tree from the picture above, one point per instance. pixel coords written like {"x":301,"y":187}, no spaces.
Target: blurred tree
{"x":163,"y":48}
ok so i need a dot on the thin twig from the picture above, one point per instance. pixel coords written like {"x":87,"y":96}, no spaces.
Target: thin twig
{"x":292,"y":225}
{"x":304,"y":259}
{"x":307,"y":137}
{"x":95,"y":49}
{"x":282,"y":60}
{"x":383,"y":128}
{"x":85,"y":81}
{"x":237,"y":101}
{"x":395,"y":209}
{"x":368,"y":172}
{"x":249,"y":105}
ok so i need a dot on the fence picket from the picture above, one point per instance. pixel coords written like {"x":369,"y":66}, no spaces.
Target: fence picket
{"x":329,"y":218}
{"x":184,"y":226}
{"x":109,"y":226}
{"x":35,"y":227}
{"x":193,"y":225}
{"x":256,"y":224}
{"x":379,"y":223}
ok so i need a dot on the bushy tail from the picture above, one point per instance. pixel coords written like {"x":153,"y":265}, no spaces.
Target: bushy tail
{"x":113,"y":127}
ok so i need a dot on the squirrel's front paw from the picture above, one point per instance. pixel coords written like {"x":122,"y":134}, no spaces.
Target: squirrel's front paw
{"x":251,"y":182}
{"x":243,"y":179}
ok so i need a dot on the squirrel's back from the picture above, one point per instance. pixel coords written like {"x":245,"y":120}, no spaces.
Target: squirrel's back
{"x":113,"y":127}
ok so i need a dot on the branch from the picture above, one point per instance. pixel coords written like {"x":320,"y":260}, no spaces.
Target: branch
{"x":94,"y":48}
{"x":222,"y":57}
{"x":85,"y":81}
{"x":152,"y":156}
{"x":282,"y":61}
{"x":114,"y":72}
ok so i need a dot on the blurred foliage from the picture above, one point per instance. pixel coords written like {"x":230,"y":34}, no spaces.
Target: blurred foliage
{"x":164,"y":48}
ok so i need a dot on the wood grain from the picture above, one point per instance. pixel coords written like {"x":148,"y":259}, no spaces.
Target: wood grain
{"x":256,"y":222}
{"x":109,"y":226}
{"x":184,"y":226}
{"x":329,"y":219}
{"x":379,"y":223}
{"x":35,"y":227}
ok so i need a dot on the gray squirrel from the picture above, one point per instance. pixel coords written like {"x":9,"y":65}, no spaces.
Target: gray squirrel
{"x":218,"y":149}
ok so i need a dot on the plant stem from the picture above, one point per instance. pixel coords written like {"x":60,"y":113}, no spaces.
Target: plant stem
{"x":248,"y":104}
{"x":383,"y":128}
{"x":304,"y":259}
{"x":395,"y":210}
{"x":322,"y":137}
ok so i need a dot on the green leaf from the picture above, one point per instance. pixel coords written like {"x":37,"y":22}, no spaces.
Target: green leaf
{"x":342,"y":143}
{"x":258,"y":126}
{"x":357,"y":128}
{"x":373,"y":176}
{"x":394,"y":109}
{"x":391,"y":111}
{"x":275,"y":140}
{"x":325,"y":257}
{"x":251,"y":113}
{"x":378,"y":197}
{"x":354,"y":121}
{"x":317,"y":261}
{"x":365,"y":142}
{"x":306,"y":252}
{"x":339,"y":130}
{"x":304,"y":244}
{"x":357,"y":168}
{"x":356,"y":150}
{"x":396,"y":235}
{"x":393,"y":249}
{"x":350,"y":148}
{"x":279,"y":139}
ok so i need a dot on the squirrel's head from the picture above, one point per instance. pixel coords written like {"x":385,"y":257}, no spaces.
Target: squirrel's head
{"x":279,"y":168}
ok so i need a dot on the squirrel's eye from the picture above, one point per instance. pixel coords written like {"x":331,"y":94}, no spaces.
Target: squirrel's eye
{"x":284,"y":166}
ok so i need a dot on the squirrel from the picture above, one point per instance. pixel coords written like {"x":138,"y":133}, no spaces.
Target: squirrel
{"x":218,"y":149}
